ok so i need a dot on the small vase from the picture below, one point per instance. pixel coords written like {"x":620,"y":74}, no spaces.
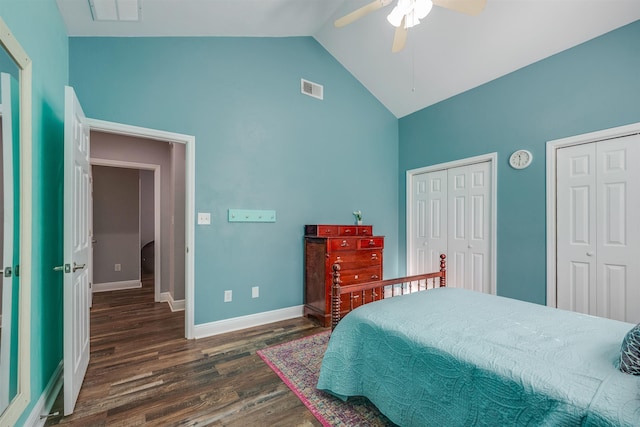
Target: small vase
{"x":359,"y":222}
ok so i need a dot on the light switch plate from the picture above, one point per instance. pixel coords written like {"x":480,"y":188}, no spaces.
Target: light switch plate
{"x":204,"y":218}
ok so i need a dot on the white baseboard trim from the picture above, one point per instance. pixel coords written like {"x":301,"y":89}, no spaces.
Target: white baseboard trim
{"x":175,"y":305}
{"x":47,"y":398}
{"x":243,"y":322}
{"x":117,"y":286}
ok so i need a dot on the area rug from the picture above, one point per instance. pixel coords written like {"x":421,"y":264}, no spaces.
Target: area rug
{"x":297,"y":363}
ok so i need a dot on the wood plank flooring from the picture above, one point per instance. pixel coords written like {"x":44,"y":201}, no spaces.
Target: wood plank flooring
{"x":143,"y":372}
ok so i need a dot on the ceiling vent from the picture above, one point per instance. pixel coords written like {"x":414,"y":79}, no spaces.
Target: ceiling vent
{"x":115,"y":10}
{"x":311,"y":89}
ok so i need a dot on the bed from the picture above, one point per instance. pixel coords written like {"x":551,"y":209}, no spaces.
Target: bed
{"x":452,"y":357}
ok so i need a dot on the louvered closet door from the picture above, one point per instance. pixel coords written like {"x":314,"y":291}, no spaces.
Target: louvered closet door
{"x":598,"y":237}
{"x":469,"y":243}
{"x":429,"y":221}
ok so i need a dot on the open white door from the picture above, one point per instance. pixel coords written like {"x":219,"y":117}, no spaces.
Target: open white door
{"x":8,"y":84}
{"x":77,"y":244}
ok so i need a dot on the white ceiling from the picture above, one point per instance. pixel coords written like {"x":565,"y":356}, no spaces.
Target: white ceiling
{"x":448,"y":53}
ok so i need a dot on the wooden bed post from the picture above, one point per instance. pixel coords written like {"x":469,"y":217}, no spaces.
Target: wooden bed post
{"x":335,"y":296}
{"x":443,"y":270}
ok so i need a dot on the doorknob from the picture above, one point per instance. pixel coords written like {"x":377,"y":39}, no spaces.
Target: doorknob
{"x":589,"y":253}
{"x":66,"y":268}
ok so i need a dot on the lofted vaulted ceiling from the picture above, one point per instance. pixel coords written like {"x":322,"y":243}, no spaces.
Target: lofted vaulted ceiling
{"x":446,"y":54}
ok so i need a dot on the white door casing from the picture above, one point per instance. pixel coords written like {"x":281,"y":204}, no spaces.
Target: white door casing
{"x":157,"y":189}
{"x":598,"y":244}
{"x":77,"y":246}
{"x":464,"y":207}
{"x":189,"y":141}
{"x":91,"y":240}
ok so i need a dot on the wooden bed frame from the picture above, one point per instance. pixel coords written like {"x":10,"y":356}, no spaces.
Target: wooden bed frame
{"x":368,"y":292}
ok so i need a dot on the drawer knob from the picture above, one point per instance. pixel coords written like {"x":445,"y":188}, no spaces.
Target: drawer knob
{"x":374,"y":276}
{"x":372,"y":242}
{"x":344,"y":243}
{"x":348,"y":230}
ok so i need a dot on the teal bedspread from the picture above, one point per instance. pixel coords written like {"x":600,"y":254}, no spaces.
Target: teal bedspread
{"x":450,"y":357}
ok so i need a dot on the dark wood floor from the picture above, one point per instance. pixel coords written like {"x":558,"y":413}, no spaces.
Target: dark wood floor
{"x":143,"y":372}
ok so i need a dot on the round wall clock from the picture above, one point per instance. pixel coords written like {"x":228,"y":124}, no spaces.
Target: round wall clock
{"x":520,"y":159}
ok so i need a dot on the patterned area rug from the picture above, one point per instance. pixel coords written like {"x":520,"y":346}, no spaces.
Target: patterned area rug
{"x":297,"y":363}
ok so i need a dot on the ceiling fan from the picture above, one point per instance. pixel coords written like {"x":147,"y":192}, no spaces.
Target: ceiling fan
{"x":408,"y":13}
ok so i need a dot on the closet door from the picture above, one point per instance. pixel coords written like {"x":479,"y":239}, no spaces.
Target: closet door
{"x":468,"y":242}
{"x":428,"y":226}
{"x":450,"y":212}
{"x":598,"y":242}
{"x":576,"y":224}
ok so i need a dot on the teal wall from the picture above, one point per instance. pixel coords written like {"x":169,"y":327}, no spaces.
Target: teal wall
{"x":260,"y":144}
{"x":590,"y":87}
{"x":39,"y":28}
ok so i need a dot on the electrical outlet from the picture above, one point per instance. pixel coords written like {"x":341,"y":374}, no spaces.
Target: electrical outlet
{"x":227,"y":296}
{"x":255,"y":292}
{"x":117,"y":267}
{"x":204,"y":218}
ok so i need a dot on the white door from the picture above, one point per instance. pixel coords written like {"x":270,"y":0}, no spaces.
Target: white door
{"x":428,"y":226}
{"x":77,"y":244}
{"x":451,"y":214}
{"x":468,"y":248}
{"x":598,"y":242}
{"x":8,"y":119}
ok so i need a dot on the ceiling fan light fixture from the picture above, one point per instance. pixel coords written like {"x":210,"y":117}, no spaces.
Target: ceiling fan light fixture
{"x":395,"y":17}
{"x":412,"y":10}
{"x":422,"y":8}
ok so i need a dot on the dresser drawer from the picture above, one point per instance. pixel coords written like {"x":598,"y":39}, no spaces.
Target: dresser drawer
{"x":343,"y":244}
{"x":321,"y":230}
{"x":371,"y":243}
{"x":348,"y":230}
{"x":354,"y":259}
{"x":362,"y":275}
{"x":365,"y":230}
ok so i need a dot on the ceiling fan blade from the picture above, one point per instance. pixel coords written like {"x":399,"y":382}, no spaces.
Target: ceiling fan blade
{"x":400,"y":38}
{"x":359,"y":13}
{"x":470,"y":7}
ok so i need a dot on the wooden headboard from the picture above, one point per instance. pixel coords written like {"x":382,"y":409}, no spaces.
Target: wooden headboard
{"x":346,"y":297}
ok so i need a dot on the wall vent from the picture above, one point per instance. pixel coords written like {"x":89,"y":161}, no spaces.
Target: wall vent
{"x":311,"y":89}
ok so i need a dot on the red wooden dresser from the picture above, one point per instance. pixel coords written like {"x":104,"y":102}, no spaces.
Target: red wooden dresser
{"x":359,"y":253}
